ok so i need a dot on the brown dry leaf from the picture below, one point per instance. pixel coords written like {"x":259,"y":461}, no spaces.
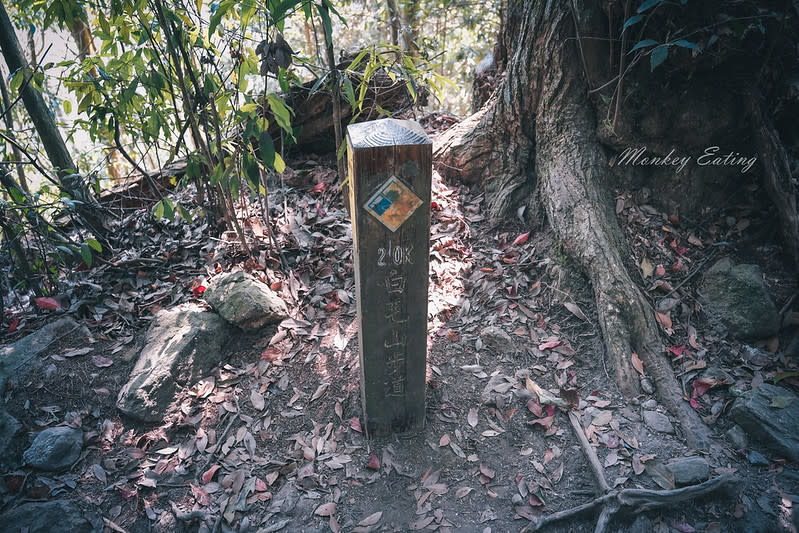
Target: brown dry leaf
{"x":664,"y":320}
{"x":487,"y":472}
{"x":612,"y":458}
{"x":638,"y":466}
{"x":646,"y":268}
{"x":374,"y":462}
{"x":444,"y":440}
{"x":326,"y":509}
{"x":77,"y":352}
{"x":209,"y":474}
{"x":99,"y":473}
{"x":462,"y":492}
{"x":471,"y":418}
{"x":257,"y":400}
{"x":371,"y":520}
{"x":602,"y":418}
{"x":661,"y":475}
{"x":575,"y":310}
{"x":320,"y":390}
{"x":638,"y":365}
{"x":339,"y":411}
{"x":421,"y":523}
{"x":557,"y":474}
{"x":101,"y":362}
{"x":205,"y":387}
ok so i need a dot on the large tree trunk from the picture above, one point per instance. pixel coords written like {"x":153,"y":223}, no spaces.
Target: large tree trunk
{"x":536,"y":138}
{"x":51,"y":138}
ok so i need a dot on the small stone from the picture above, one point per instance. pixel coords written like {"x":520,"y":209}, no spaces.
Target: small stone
{"x":769,"y":414}
{"x":689,"y":470}
{"x":736,"y":298}
{"x":646,"y":386}
{"x":658,"y":422}
{"x":181,"y":346}
{"x":244,"y":301}
{"x":48,"y":517}
{"x":9,"y":426}
{"x":517,"y":499}
{"x":757,"y":458}
{"x":55,"y":449}
{"x":737,"y":436}
{"x":650,"y":404}
{"x":496,"y":339}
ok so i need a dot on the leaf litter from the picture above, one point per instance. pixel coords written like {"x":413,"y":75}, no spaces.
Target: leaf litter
{"x":274,"y":438}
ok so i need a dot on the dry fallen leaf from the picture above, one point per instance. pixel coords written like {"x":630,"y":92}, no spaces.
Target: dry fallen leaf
{"x":664,"y":320}
{"x":101,"y":362}
{"x":257,"y":400}
{"x":371,"y":520}
{"x":462,"y":492}
{"x":444,"y":440}
{"x":637,"y":363}
{"x":472,"y":417}
{"x":575,"y":310}
{"x":326,"y":509}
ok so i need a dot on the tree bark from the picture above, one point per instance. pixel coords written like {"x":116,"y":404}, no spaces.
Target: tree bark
{"x":394,"y":23}
{"x":51,"y":138}
{"x":535,"y":140}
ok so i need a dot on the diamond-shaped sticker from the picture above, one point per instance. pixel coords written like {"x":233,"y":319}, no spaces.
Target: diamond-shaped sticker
{"x":393,"y":203}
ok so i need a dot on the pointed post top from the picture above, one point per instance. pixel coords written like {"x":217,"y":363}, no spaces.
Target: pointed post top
{"x":386,"y":132}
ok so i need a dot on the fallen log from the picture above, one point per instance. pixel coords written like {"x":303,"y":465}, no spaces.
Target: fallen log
{"x":313,"y":108}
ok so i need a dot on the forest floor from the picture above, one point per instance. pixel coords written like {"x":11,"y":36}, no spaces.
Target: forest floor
{"x":272,"y":439}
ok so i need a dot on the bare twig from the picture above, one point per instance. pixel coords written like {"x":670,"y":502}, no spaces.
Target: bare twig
{"x":611,"y":501}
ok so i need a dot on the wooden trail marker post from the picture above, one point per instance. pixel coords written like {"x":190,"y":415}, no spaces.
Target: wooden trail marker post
{"x":390,"y":172}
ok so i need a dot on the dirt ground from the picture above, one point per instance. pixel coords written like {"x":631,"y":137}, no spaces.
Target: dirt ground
{"x":272,"y":440}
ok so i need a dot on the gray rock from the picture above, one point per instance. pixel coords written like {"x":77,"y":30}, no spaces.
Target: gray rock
{"x":55,"y":449}
{"x":9,"y":427}
{"x":769,"y":414}
{"x":496,"y":339}
{"x":689,"y":470}
{"x":20,"y":358}
{"x":658,"y":422}
{"x":244,"y":301}
{"x":737,"y":437}
{"x":182,"y":346}
{"x":646,"y":386}
{"x":650,"y":404}
{"x":497,"y":391}
{"x":47,"y":517}
{"x":736,"y":298}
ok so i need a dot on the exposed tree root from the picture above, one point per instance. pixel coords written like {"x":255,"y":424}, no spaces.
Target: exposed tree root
{"x":612,"y":501}
{"x":542,"y":103}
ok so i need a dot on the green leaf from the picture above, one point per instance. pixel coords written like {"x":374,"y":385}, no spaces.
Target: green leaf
{"x":266,"y":149}
{"x":184,"y":213}
{"x":349,"y":92}
{"x":280,"y":165}
{"x":86,"y":254}
{"x":216,"y":18}
{"x":643,"y":44}
{"x":94,"y":245}
{"x":324,"y":14}
{"x":281,"y":112}
{"x":67,"y":105}
{"x":158,"y":209}
{"x":249,"y":107}
{"x":688,"y":44}
{"x":635,"y":19}
{"x":648,"y":4}
{"x":658,"y":56}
